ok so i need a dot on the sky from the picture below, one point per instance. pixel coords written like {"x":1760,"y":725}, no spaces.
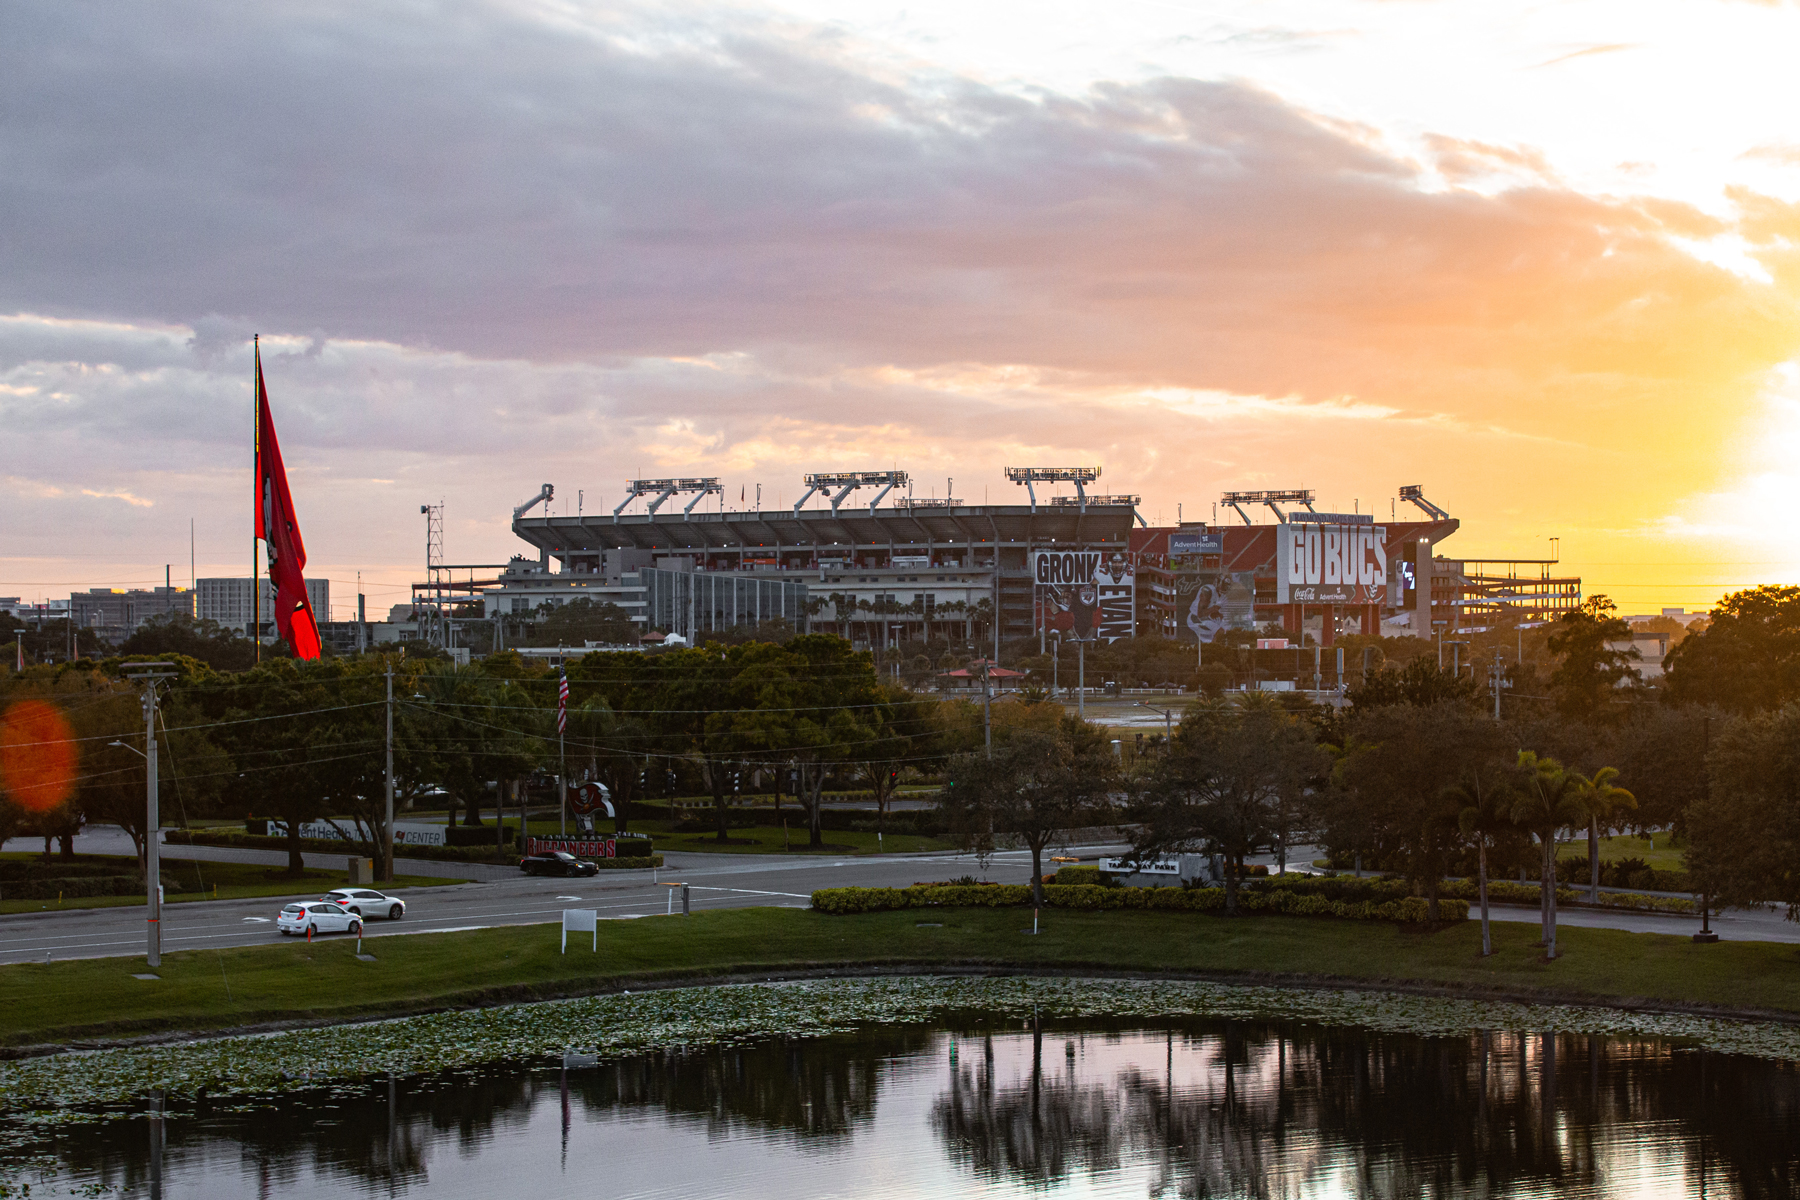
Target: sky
{"x":1537,"y":258}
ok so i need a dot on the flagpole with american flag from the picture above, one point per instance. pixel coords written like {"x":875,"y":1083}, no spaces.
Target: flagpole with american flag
{"x":562,"y":761}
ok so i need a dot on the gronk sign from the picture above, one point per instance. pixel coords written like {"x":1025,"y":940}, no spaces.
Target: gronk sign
{"x":1330,"y":564}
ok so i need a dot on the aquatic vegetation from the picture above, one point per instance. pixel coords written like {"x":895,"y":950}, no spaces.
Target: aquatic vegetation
{"x":87,"y":1086}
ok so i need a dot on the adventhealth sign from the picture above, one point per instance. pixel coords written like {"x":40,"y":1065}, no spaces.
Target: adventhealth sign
{"x":406,"y":833}
{"x":1330,"y":564}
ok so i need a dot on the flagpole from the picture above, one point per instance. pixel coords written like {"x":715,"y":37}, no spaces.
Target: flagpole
{"x":255,"y":471}
{"x":562,"y":758}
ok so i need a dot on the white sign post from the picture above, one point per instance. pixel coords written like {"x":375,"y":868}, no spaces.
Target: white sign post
{"x":580,"y":920}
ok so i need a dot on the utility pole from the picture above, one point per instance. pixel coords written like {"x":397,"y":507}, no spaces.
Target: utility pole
{"x":387,"y":843}
{"x":152,"y":812}
{"x":987,"y":711}
{"x":1081,"y":679}
{"x":1497,"y":680}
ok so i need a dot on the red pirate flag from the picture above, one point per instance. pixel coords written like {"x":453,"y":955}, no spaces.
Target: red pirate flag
{"x":279,"y":529}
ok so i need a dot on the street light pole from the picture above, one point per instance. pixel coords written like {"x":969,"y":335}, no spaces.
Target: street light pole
{"x":152,"y":815}
{"x":387,"y":843}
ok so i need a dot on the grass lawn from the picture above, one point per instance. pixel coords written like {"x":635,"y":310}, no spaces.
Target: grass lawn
{"x":212,"y":989}
{"x":220,"y":881}
{"x":1659,"y":850}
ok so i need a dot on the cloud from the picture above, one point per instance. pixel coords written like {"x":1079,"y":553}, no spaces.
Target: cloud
{"x":1587,"y":52}
{"x":513,"y":239}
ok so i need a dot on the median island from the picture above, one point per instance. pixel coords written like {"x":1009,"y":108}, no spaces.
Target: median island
{"x":81,"y":1002}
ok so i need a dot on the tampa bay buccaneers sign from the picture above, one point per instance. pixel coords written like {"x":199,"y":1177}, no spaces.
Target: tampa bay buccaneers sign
{"x":1330,"y":564}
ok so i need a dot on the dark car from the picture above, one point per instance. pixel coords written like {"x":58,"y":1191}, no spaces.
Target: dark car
{"x":557,"y":862}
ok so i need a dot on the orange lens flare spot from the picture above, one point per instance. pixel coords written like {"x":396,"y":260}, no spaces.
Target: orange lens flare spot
{"x":37,"y":755}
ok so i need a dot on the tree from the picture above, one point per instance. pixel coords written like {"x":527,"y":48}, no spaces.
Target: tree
{"x":1420,"y":683}
{"x":1589,"y":672}
{"x":1744,"y":833}
{"x":283,"y":725}
{"x":1660,"y":750}
{"x":207,"y":641}
{"x":581,"y":621}
{"x":1485,"y":818}
{"x":616,"y":747}
{"x":1546,"y":798}
{"x":1603,"y":801}
{"x":1220,"y":786}
{"x":1747,"y":660}
{"x":1034,"y":787}
{"x":1403,"y":774}
{"x":901,"y":725}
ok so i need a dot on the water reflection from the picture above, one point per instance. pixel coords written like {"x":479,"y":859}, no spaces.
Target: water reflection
{"x":1204,"y":1109}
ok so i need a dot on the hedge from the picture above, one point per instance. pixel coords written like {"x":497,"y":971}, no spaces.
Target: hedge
{"x":1079,"y":875}
{"x":469,"y":854}
{"x":73,"y":886}
{"x":1409,"y":909}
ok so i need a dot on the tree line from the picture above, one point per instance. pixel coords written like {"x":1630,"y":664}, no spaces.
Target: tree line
{"x":1415,"y":777}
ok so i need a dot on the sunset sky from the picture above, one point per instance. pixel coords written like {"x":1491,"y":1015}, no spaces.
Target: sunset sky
{"x":1542,"y":259}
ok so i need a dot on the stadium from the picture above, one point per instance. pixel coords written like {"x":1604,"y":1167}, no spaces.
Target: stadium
{"x":1085,"y":566}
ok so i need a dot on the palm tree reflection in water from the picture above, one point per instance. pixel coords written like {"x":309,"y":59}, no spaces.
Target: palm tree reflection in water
{"x":1270,"y":1110}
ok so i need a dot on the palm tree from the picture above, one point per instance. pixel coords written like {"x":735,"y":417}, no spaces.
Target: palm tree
{"x":1603,"y":801}
{"x":1486,"y":816}
{"x":1547,"y":798}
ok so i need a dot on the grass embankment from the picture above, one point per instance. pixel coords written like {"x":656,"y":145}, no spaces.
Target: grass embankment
{"x":1661,"y":851}
{"x":64,"y":1001}
{"x":205,"y":880}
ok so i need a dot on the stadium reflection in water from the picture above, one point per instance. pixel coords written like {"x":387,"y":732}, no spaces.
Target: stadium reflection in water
{"x":1203,"y":1109}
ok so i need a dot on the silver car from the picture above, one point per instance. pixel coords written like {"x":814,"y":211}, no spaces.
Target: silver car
{"x":366,"y":903}
{"x":318,"y":916}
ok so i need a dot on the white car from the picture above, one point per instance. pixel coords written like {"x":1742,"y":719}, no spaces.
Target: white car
{"x":366,"y":903}
{"x":318,"y":916}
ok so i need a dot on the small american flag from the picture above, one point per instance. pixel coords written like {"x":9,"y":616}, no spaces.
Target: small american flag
{"x":562,"y":703}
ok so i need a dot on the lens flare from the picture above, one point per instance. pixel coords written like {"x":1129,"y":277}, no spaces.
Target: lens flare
{"x":37,"y":756}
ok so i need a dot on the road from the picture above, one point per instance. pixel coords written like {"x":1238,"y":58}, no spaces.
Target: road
{"x":505,"y":897}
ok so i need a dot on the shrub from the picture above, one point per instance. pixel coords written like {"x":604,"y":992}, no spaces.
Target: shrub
{"x":484,"y":853}
{"x":1079,"y":875}
{"x":1092,"y":897}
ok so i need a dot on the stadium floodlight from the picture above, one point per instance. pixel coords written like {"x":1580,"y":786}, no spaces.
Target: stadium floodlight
{"x":849,"y":481}
{"x":1272,"y":500}
{"x":1079,"y":476}
{"x":545,"y":493}
{"x":930,"y":502}
{"x":1416,"y":494}
{"x":1130,"y":502}
{"x":664,"y":488}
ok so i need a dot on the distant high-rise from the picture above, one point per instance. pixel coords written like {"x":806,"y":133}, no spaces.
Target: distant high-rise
{"x":116,"y":613}
{"x":227,"y":601}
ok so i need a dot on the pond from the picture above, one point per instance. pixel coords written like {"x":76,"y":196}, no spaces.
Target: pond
{"x":976,"y":1103}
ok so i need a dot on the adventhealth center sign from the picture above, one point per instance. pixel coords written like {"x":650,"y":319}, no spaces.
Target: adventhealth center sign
{"x":1330,"y":564}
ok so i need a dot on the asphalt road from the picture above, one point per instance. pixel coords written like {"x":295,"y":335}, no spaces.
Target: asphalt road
{"x":715,"y":881}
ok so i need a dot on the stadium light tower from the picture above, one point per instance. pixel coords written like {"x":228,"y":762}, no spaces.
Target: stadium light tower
{"x":1116,"y":501}
{"x":1079,"y":476}
{"x":1416,"y":494}
{"x":1273,"y":500}
{"x":849,"y":481}
{"x":664,"y":488}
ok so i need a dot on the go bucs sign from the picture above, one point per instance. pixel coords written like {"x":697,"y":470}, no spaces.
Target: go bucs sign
{"x":1330,"y":564}
{"x":1087,"y":595}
